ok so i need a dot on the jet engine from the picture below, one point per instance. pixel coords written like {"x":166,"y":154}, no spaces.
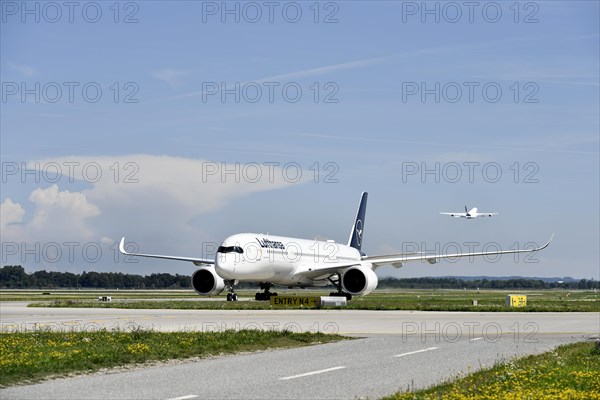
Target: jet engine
{"x":359,"y":280}
{"x":206,"y":282}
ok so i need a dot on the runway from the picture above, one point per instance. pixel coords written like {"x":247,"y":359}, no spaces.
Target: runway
{"x":396,"y":350}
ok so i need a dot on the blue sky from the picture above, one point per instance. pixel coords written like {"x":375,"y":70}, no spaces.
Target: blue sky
{"x":372,"y":95}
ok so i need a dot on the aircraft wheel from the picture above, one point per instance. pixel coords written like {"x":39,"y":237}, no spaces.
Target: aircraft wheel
{"x":234,"y":297}
{"x":229,"y":297}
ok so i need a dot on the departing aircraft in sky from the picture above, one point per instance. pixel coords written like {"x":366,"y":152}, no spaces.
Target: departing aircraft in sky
{"x":284,"y":261}
{"x":470,"y":214}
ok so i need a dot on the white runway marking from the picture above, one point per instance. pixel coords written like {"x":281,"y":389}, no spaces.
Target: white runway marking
{"x":477,"y":338}
{"x":417,"y":351}
{"x":189,"y":396}
{"x":311,"y":373}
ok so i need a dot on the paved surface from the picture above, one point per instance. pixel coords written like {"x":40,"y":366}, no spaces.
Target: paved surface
{"x":402,"y":349}
{"x":16,"y":316}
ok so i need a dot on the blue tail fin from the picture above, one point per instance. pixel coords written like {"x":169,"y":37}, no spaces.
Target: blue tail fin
{"x":357,"y":233}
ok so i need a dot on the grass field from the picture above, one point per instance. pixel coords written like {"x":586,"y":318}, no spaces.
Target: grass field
{"x":91,"y":294}
{"x":422,"y":300}
{"x":568,"y":372}
{"x":31,"y":356}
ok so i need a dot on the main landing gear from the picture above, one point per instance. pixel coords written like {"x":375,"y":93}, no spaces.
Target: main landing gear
{"x":340,"y":293}
{"x":266,"y":295}
{"x":232,"y":297}
{"x":230,"y":285}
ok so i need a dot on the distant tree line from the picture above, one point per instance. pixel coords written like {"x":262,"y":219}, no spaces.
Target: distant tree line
{"x":15,"y":277}
{"x":457,"y":283}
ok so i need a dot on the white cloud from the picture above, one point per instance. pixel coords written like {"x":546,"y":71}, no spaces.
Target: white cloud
{"x":189,"y":186}
{"x":171,"y":76}
{"x":57,"y":214}
{"x":106,"y":240}
{"x":24,"y":70}
{"x":62,"y":211}
{"x":10,"y":213}
{"x":152,"y":200}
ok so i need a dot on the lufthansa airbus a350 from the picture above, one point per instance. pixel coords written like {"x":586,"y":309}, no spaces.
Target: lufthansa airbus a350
{"x":285,"y":261}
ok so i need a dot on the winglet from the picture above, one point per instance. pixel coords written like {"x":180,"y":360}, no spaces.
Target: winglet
{"x":122,"y":246}
{"x":545,"y":245}
{"x":548,"y":242}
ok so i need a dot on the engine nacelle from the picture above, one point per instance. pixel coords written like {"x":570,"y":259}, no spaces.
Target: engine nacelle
{"x":359,"y":280}
{"x":206,"y":282}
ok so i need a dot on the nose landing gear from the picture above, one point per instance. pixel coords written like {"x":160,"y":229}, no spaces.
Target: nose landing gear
{"x":230,"y":285}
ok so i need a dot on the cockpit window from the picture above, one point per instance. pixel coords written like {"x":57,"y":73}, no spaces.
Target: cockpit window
{"x":230,"y":249}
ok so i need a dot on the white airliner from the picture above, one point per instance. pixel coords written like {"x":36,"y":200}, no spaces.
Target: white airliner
{"x":285,"y":261}
{"x":470,"y":214}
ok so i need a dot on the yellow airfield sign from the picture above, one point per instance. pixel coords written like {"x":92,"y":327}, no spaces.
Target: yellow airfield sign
{"x":295,"y":301}
{"x":516,"y":300}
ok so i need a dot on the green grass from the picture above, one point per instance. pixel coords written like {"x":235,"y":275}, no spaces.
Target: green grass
{"x":488,"y":300}
{"x":420,"y":300}
{"x":31,"y":356}
{"x":91,"y":294}
{"x":569,"y":372}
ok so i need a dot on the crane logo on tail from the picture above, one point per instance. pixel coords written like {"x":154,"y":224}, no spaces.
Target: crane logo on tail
{"x":359,"y":231}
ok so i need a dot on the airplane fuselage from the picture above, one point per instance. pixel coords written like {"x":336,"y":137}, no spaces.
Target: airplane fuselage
{"x":278,"y":259}
{"x":472,"y":213}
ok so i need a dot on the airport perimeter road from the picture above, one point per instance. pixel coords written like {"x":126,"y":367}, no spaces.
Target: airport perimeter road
{"x":370,"y":367}
{"x":16,"y":316}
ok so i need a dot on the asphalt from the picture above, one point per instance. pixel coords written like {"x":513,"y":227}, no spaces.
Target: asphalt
{"x":393,"y":350}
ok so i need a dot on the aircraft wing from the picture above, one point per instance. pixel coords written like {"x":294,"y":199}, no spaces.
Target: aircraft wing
{"x":323,"y":272}
{"x":433,"y":258}
{"x":480,"y":214}
{"x":196,"y":261}
{"x":455,"y":215}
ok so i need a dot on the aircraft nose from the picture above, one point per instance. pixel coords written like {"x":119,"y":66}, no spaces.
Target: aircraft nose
{"x":224,"y":266}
